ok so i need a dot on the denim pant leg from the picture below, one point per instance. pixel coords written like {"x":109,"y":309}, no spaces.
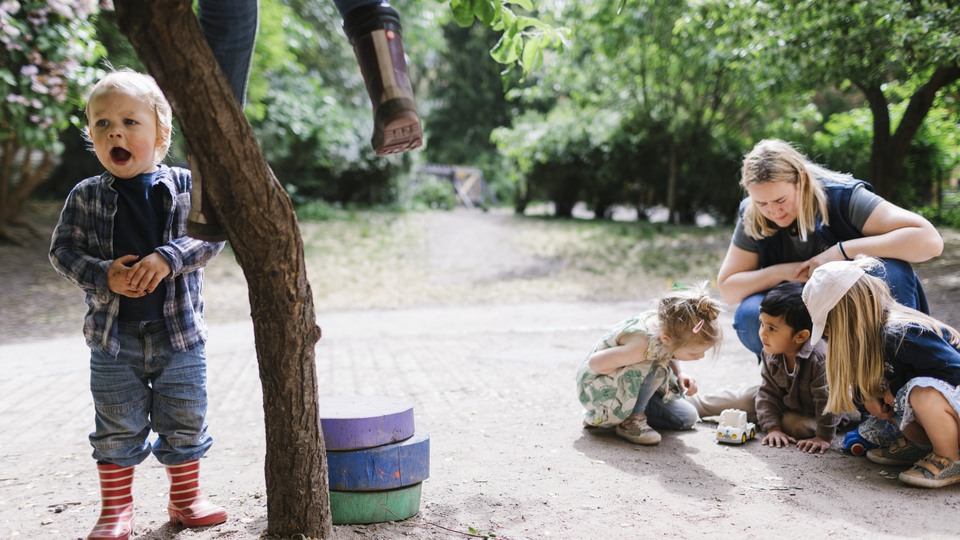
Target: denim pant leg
{"x":746,"y":321}
{"x":230,"y":27}
{"x":904,"y":284}
{"x":122,"y":400}
{"x":676,"y":414}
{"x":649,"y":387}
{"x":179,"y":414}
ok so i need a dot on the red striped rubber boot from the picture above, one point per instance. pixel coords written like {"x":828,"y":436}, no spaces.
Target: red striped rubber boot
{"x":116,"y":500}
{"x":187,"y":505}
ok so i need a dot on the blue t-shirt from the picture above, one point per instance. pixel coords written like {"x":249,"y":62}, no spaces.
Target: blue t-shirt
{"x":920,"y":353}
{"x":138,"y":230}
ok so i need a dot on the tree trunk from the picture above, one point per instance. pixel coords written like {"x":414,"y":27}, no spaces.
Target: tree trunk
{"x":262,"y":226}
{"x":673,"y":216}
{"x":888,"y":151}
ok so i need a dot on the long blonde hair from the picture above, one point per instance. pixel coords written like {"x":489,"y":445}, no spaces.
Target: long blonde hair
{"x":859,"y":325}
{"x":690,"y":317}
{"x":774,"y":160}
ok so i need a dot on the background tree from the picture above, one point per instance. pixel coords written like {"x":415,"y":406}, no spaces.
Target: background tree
{"x":46,"y":60}
{"x":870,"y":45}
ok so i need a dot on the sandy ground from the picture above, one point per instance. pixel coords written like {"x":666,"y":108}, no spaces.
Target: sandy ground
{"x":491,"y":382}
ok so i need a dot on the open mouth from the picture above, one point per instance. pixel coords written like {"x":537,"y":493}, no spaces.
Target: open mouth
{"x":119,"y":155}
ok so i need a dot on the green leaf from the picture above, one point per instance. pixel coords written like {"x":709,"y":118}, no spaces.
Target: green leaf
{"x":484,"y":10}
{"x":507,"y":50}
{"x":532,"y":51}
{"x":525,"y":4}
{"x":462,"y":12}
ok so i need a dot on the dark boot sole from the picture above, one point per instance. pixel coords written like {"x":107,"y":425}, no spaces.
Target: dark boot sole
{"x":400,"y":131}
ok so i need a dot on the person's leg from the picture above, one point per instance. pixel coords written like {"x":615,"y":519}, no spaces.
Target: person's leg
{"x":798,"y":425}
{"x":935,"y":408}
{"x":375,"y":32}
{"x":677,"y":414}
{"x":905,"y":286}
{"x":634,"y":428}
{"x":230,"y":27}
{"x":179,"y":418}
{"x":712,"y":404}
{"x":938,"y":419}
{"x":121,"y":399}
{"x":651,"y":383}
{"x":746,"y":321}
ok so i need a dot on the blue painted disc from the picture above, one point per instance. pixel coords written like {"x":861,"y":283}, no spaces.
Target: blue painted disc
{"x":389,"y":466}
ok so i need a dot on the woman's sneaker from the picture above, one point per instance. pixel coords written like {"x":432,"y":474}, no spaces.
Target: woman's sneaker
{"x":636,"y":430}
{"x":901,"y":452}
{"x":933,"y":471}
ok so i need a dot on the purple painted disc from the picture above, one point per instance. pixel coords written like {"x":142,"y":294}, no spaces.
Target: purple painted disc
{"x":352,"y":422}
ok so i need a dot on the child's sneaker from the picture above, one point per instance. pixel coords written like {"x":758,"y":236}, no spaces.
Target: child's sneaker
{"x":636,"y":430}
{"x":933,"y":471}
{"x":901,"y":452}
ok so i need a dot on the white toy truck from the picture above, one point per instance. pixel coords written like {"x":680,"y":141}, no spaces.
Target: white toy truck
{"x":734,"y":428}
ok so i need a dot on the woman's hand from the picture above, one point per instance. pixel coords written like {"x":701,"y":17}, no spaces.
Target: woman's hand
{"x":805,"y":270}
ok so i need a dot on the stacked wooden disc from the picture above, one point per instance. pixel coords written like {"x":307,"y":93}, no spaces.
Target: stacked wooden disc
{"x":376,"y":460}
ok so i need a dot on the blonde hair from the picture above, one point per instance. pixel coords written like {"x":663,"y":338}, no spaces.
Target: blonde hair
{"x":681,"y":310}
{"x":859,"y":325}
{"x":774,"y":160}
{"x":142,"y":87}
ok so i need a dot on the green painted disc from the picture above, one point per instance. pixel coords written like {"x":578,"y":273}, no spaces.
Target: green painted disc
{"x":374,"y":506}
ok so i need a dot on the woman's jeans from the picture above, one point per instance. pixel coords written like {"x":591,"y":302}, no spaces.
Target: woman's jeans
{"x":149,"y":386}
{"x":676,"y":414}
{"x":904,"y":286}
{"x":230,"y":27}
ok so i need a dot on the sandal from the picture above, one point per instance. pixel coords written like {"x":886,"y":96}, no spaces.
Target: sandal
{"x":636,"y":430}
{"x":933,"y":471}
{"x":901,"y":452}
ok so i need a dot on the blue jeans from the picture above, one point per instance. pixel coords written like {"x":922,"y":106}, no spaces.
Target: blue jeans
{"x":677,"y":414}
{"x":230,"y":27}
{"x":149,"y":386}
{"x":904,"y":286}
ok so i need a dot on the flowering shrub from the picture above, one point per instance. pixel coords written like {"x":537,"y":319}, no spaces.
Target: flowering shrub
{"x":47,"y":49}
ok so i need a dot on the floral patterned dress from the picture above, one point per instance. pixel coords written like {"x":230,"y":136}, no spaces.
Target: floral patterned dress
{"x":609,"y":399}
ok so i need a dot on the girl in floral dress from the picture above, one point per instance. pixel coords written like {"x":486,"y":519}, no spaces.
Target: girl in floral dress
{"x":632,"y":380}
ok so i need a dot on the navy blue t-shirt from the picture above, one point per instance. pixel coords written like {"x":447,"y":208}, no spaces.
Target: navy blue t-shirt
{"x":918,"y":352}
{"x":138,"y":230}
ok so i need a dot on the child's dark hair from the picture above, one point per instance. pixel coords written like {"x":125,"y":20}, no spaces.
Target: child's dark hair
{"x":786,"y":300}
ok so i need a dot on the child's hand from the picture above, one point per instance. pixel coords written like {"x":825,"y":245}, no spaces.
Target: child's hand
{"x":778,"y":438}
{"x":878,"y":408}
{"x":813,"y":445}
{"x":146,"y":274}
{"x":688,"y":385}
{"x":118,"y":277}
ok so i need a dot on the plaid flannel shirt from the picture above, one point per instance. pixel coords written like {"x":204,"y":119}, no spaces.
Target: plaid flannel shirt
{"x":82,"y":250}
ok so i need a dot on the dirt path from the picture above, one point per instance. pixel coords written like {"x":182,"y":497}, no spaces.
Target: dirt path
{"x":487,"y":358}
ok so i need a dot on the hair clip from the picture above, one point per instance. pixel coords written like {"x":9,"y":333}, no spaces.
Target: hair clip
{"x":698,"y":326}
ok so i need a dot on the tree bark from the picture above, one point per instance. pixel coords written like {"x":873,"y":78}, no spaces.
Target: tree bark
{"x":262,"y":227}
{"x":889,"y":150}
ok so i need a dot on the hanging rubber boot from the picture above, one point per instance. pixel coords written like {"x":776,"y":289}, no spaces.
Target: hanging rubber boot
{"x":202,"y":224}
{"x":374,"y":31}
{"x":116,"y":500}
{"x":187,"y":504}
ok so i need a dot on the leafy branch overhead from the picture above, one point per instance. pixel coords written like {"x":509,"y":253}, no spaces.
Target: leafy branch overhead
{"x":525,"y":37}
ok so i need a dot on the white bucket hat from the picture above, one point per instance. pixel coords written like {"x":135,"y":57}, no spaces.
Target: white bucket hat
{"x":824,"y":290}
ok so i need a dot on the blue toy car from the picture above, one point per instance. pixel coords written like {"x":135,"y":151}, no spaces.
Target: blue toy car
{"x":854,"y":443}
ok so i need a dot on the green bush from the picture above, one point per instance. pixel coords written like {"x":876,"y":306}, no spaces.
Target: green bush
{"x":436,"y":195}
